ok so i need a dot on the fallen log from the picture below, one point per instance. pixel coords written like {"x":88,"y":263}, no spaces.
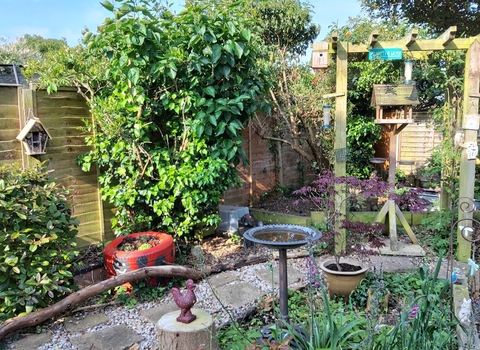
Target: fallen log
{"x":67,"y":304}
{"x":221,"y":267}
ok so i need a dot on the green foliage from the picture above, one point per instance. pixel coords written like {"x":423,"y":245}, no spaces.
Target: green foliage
{"x":400,"y":177}
{"x":28,"y":48}
{"x":169,"y":95}
{"x":434,"y":16}
{"x":125,"y":297}
{"x":362,"y":134}
{"x":36,"y":239}
{"x":432,"y":169}
{"x":398,"y":285}
{"x":358,"y":29}
{"x":131,"y":295}
{"x":287,"y":25}
{"x":436,"y":230}
{"x":286,"y":29}
{"x":425,"y":322}
{"x":238,"y":336}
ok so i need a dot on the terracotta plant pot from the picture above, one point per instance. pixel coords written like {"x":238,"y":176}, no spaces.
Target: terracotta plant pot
{"x":342,"y":282}
{"x":118,"y":261}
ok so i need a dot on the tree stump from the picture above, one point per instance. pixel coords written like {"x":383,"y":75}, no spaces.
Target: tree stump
{"x":197,"y":335}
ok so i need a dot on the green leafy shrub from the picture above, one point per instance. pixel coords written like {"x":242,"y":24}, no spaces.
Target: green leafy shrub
{"x":36,"y":236}
{"x":176,"y":92}
{"x":436,"y":229}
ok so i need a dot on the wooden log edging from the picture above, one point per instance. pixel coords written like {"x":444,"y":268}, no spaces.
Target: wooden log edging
{"x":68,"y":303}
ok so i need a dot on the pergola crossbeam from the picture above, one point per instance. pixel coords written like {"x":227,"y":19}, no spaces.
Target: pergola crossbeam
{"x":448,"y":35}
{"x":411,"y":37}
{"x":334,"y":38}
{"x":418,"y":45}
{"x":373,"y":38}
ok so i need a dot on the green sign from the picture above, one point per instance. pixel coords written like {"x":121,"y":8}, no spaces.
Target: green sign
{"x":388,"y":54}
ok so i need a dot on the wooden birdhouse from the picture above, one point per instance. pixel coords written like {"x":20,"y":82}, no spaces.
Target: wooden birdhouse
{"x":320,"y":56}
{"x":394,"y":103}
{"x":34,"y":137}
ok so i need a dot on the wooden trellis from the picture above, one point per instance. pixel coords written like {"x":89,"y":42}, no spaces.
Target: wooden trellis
{"x":408,"y":46}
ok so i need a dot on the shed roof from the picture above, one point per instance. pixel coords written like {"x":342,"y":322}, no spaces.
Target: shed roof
{"x":395,"y":95}
{"x":11,"y":74}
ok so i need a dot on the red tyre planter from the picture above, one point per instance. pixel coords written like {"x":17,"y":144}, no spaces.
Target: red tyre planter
{"x":118,"y":262}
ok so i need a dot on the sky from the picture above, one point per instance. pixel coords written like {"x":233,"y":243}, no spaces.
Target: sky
{"x":57,"y":19}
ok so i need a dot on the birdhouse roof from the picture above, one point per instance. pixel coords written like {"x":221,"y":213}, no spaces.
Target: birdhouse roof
{"x":395,"y":95}
{"x":33,"y":124}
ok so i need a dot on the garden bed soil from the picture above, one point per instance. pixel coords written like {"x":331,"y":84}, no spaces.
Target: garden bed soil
{"x":131,"y":244}
{"x":344,"y":267}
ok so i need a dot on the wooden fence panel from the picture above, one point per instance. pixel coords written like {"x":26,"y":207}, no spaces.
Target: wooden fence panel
{"x":417,"y":141}
{"x":10,"y":148}
{"x":263,"y":173}
{"x":62,"y":113}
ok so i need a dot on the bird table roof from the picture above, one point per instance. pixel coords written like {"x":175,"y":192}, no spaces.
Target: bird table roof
{"x":394,"y":95}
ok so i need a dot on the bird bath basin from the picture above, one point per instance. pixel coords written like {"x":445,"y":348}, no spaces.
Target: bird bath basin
{"x":282,"y":237}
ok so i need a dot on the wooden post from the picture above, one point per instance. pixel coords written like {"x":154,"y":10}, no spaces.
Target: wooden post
{"x":199,"y":334}
{"x":467,"y":167}
{"x":27,"y":107}
{"x":341,"y":138}
{"x":392,"y":167}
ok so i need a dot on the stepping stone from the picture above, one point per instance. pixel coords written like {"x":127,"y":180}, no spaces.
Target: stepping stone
{"x":238,"y":294}
{"x":294,"y":277}
{"x":114,"y":338}
{"x":75,"y":324}
{"x":32,"y":341}
{"x":222,"y":279}
{"x":156,"y":313}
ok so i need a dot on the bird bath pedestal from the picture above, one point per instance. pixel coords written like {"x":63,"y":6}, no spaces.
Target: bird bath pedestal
{"x":282,"y":237}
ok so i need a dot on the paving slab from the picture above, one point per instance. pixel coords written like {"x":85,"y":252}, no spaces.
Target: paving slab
{"x":115,"y":338}
{"x":404,"y":249}
{"x":156,"y":313}
{"x":392,"y":263}
{"x":294,"y":277}
{"x":222,"y":279}
{"x":32,"y":341}
{"x":76,"y":324}
{"x":238,"y":294}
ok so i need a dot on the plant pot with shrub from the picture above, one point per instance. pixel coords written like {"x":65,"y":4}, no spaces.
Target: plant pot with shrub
{"x":344,"y":272}
{"x":345,"y":281}
{"x":138,"y":250}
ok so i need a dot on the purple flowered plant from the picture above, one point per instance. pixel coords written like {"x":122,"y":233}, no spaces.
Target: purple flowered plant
{"x":414,"y":311}
{"x":312,"y":273}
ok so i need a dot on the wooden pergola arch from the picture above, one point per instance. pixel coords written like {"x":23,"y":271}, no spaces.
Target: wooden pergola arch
{"x":409,"y":44}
